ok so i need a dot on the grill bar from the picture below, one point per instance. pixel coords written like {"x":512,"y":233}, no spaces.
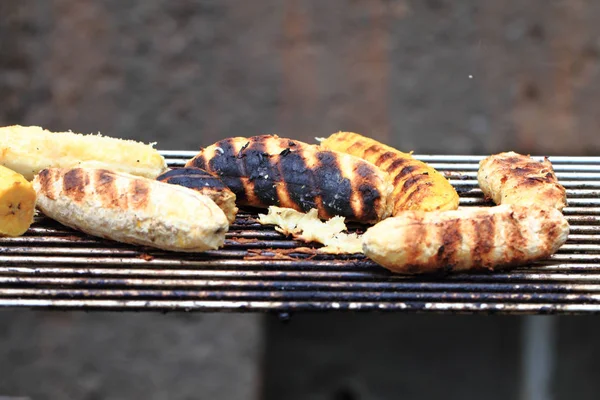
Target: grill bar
{"x":261,"y":270}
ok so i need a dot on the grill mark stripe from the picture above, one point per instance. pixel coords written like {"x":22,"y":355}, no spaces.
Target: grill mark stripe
{"x":336,"y":190}
{"x":46,"y":180}
{"x":514,"y":238}
{"x":410,"y":198}
{"x":139,"y":191}
{"x":371,"y":151}
{"x":450,"y":237}
{"x":355,"y":148}
{"x":106,"y":188}
{"x":385,"y":157}
{"x":366,"y":191}
{"x":413,"y":182}
{"x":484,"y":230}
{"x":397,"y":163}
{"x":75,"y":183}
{"x":399,"y":177}
{"x":416,"y":231}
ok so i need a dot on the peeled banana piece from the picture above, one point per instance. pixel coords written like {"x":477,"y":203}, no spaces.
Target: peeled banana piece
{"x":17,"y":203}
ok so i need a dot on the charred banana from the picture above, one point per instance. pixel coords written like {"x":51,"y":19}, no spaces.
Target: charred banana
{"x":268,"y":170}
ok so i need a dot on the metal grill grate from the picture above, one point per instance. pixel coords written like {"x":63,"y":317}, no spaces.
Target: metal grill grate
{"x":260,"y":270}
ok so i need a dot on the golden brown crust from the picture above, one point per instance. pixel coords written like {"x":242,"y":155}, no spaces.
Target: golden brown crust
{"x":511,"y":178}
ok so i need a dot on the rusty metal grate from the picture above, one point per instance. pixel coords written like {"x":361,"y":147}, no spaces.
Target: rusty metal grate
{"x":55,"y":267}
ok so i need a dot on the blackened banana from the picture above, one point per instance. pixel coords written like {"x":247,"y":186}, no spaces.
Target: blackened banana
{"x":268,"y":170}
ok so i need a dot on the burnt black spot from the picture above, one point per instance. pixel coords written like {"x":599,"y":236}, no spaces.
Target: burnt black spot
{"x":291,"y":144}
{"x":75,"y":182}
{"x":285,"y":152}
{"x":228,"y":167}
{"x":298,"y":180}
{"x":224,"y":161}
{"x":336,"y":190}
{"x":263,"y":172}
{"x":370,"y":197}
{"x":236,"y":185}
{"x":197,"y":162}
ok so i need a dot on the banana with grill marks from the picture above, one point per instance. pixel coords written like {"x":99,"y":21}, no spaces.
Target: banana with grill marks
{"x":268,"y":170}
{"x":466,"y":239}
{"x":417,"y":186}
{"x":130,"y":209}
{"x":511,"y":178}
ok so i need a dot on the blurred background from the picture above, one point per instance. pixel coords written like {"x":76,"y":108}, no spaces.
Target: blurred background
{"x":433,"y":76}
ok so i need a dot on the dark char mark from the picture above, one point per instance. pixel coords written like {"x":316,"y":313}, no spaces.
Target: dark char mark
{"x":405,"y":171}
{"x":485,"y":229}
{"x":139,"y":191}
{"x":451,"y":239}
{"x":413,"y":180}
{"x":336,"y":190}
{"x":298,"y":180}
{"x":370,"y":197}
{"x":45,"y":178}
{"x":106,"y":188}
{"x":397,"y":163}
{"x":74,"y":183}
{"x":263,"y":171}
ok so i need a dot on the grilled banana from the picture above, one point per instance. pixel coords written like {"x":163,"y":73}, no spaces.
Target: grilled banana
{"x":466,"y":239}
{"x":511,"y":178}
{"x":269,"y":170}
{"x":417,"y":186}
{"x":206,"y":184}
{"x":29,"y":149}
{"x":131,"y":209}
{"x":17,"y":203}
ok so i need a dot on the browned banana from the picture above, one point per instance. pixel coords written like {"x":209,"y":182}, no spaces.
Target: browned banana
{"x":466,"y":239}
{"x":512,"y":178}
{"x":268,"y":170}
